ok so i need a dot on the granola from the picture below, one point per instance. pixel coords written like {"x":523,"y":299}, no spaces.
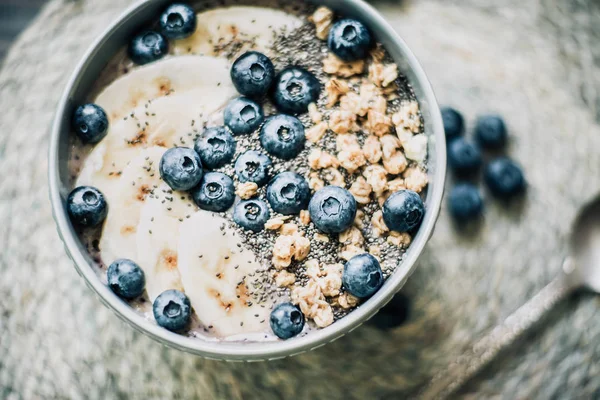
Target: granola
{"x":284,"y":278}
{"x":376,"y":176}
{"x":352,"y":158}
{"x":314,"y":114}
{"x":335,"y":88}
{"x":361,"y":191}
{"x":383,"y":75}
{"x":341,"y":122}
{"x":372,"y":149}
{"x":246,"y":190}
{"x":323,"y":19}
{"x":400,"y":239}
{"x":415,"y":179}
{"x":316,"y":132}
{"x":304,"y":217}
{"x":379,"y":227}
{"x":319,"y":159}
{"x":334,"y":66}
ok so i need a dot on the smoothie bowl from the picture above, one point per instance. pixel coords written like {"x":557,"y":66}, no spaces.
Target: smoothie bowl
{"x":243,"y":180}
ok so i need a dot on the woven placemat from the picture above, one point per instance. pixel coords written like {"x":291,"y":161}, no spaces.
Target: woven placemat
{"x":534,"y":62}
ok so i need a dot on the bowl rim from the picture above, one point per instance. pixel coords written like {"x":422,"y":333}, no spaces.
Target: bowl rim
{"x":253,"y":351}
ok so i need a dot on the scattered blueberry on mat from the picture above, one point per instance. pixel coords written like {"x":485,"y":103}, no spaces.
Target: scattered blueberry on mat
{"x":181,"y":168}
{"x":454,"y":123}
{"x":463,"y":157}
{"x":90,"y":123}
{"x":504,"y":178}
{"x":403,"y":211}
{"x":147,"y":47}
{"x":251,"y":214}
{"x":253,"y":166}
{"x":282,"y":136}
{"x":288,"y":193}
{"x":178,"y":21}
{"x":126,"y":278}
{"x":350,"y":40}
{"x":172,"y":310}
{"x":332,"y":209}
{"x":243,"y":116}
{"x":216,"y":147}
{"x":362,"y":275}
{"x":490,"y":132}
{"x":86,"y":206}
{"x":465,"y":202}
{"x":252,"y":74}
{"x":286,"y":320}
{"x":294,"y":89}
{"x":215,"y":192}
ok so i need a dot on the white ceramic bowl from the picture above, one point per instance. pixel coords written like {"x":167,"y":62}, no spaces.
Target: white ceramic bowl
{"x":115,"y":37}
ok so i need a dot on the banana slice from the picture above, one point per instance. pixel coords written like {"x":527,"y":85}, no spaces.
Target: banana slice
{"x":125,"y":198}
{"x":166,"y":121}
{"x":167,"y":77}
{"x":219,"y":276}
{"x":181,"y":247}
{"x":156,"y":239}
{"x":250,"y":27}
{"x":155,"y":107}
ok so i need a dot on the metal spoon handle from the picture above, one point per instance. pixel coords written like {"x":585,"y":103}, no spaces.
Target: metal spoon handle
{"x":457,"y":373}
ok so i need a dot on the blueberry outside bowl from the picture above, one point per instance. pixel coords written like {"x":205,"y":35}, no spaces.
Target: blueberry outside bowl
{"x":114,"y":38}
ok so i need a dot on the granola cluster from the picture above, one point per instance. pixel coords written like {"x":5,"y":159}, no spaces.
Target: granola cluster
{"x":361,"y":137}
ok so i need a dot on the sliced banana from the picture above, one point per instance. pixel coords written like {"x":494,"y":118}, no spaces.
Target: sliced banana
{"x":181,"y":247}
{"x":125,"y":200}
{"x":167,"y":77}
{"x":156,"y":239}
{"x":158,"y":106}
{"x":166,"y":121}
{"x":252,"y":27}
{"x":219,"y":277}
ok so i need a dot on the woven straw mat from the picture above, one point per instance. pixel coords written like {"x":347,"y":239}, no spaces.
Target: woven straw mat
{"x":535,"y":62}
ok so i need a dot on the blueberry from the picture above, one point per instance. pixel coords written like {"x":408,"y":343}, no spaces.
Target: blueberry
{"x":403,"y":211}
{"x":252,"y":74}
{"x":215,"y":192}
{"x":172,"y":310}
{"x":126,"y":278}
{"x":282,"y":136}
{"x":178,"y":21}
{"x":465,"y":202}
{"x":463,"y":157}
{"x":362,"y":275}
{"x":181,"y":168}
{"x":243,"y":116}
{"x":286,"y":320}
{"x":490,"y":132}
{"x":504,"y":178}
{"x":294,"y":89}
{"x":393,"y":314}
{"x":454,"y":124}
{"x":215,"y":146}
{"x":349,"y":39}
{"x":147,"y":47}
{"x":90,"y":123}
{"x":251,"y":214}
{"x":253,"y":166}
{"x":332,"y":209}
{"x":86,"y":206}
{"x":288,"y":193}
